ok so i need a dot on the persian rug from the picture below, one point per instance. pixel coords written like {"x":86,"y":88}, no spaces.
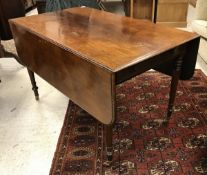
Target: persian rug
{"x":142,"y":146}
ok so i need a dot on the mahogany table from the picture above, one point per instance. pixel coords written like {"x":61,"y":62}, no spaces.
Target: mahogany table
{"x":85,"y":53}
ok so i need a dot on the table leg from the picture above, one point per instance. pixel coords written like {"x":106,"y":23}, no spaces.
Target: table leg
{"x":109,"y":143}
{"x":173,"y":89}
{"x":34,"y":86}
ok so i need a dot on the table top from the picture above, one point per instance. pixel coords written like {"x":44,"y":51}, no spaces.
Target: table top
{"x":110,"y":41}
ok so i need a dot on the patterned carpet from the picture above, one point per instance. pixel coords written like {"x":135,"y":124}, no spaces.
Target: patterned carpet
{"x":141,"y":145}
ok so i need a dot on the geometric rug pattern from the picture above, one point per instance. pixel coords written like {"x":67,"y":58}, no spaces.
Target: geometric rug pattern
{"x":142,"y":146}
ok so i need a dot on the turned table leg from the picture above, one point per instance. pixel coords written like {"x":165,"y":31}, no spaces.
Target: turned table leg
{"x":109,"y":143}
{"x":173,"y":89}
{"x":34,"y":86}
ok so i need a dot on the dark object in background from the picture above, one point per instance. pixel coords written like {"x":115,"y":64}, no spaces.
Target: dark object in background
{"x":12,"y":9}
{"x":53,"y":5}
{"x":61,"y":4}
{"x":126,"y":4}
{"x":29,"y":4}
{"x":41,"y":5}
{"x":9,"y":9}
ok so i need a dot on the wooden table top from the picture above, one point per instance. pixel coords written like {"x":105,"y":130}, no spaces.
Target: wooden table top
{"x":105,"y":39}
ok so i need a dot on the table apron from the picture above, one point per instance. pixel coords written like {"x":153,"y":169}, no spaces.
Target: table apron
{"x":147,"y":64}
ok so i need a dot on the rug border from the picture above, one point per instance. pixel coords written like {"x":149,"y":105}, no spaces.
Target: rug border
{"x":61,"y":135}
{"x":202,"y":73}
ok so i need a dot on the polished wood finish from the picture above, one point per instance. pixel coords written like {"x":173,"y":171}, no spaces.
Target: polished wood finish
{"x":114,"y":43}
{"x":143,"y":9}
{"x":88,"y":86}
{"x":172,"y":12}
{"x":168,"y":12}
{"x":85,"y":53}
{"x":81,"y":44}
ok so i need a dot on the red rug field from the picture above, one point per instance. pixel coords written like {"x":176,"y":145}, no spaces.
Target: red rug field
{"x":142,"y":146}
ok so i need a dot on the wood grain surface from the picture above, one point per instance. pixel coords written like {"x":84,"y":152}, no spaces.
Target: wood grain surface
{"x":85,"y":52}
{"x":108,"y":40}
{"x":88,"y":86}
